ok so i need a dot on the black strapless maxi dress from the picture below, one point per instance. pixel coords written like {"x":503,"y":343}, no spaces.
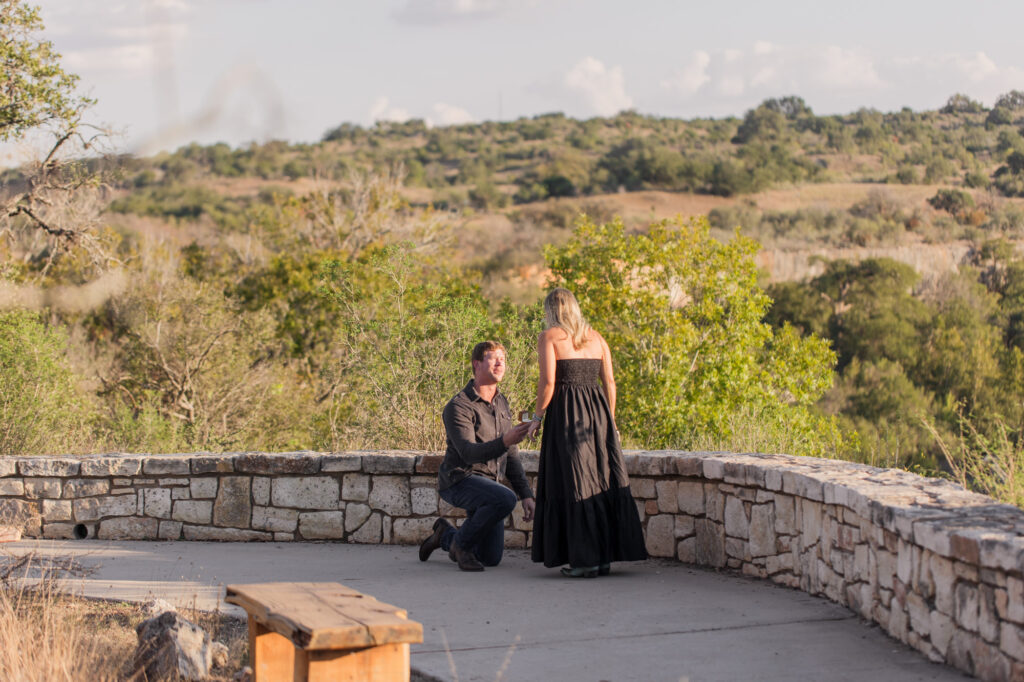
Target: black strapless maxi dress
{"x":585,"y":514}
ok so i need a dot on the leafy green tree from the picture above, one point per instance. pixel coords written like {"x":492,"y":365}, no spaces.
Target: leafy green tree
{"x":874,"y":314}
{"x":958,"y":361}
{"x":772,"y":120}
{"x":36,"y":90}
{"x":799,"y":305}
{"x":638,"y":163}
{"x":1000,"y":116}
{"x":955,"y":202}
{"x":1014,"y":99}
{"x":1009,"y":179}
{"x":962,"y":104}
{"x":37,"y":96}
{"x":682,"y":313}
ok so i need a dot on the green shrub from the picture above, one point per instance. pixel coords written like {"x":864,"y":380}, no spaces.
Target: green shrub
{"x":990,"y":463}
{"x":41,"y":409}
{"x":407,"y":337}
{"x":683,"y":315}
{"x":977,"y":179}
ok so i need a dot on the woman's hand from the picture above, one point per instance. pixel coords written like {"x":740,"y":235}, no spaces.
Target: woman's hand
{"x":531,"y":433}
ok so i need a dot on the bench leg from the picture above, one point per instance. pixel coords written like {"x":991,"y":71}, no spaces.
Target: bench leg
{"x":385,"y":663}
{"x":273,"y":656}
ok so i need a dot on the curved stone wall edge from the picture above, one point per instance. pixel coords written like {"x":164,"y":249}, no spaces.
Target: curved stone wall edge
{"x":936,"y":566}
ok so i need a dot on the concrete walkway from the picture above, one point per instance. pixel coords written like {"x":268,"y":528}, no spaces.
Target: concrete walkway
{"x":656,"y":620}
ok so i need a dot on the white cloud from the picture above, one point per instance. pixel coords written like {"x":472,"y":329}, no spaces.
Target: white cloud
{"x":447,"y":115}
{"x":116,"y":36}
{"x":975,"y":67}
{"x":381,"y":110}
{"x":602,"y":88}
{"x":692,"y":76}
{"x":773,"y":70}
{"x":832,"y":78}
{"x":447,"y":11}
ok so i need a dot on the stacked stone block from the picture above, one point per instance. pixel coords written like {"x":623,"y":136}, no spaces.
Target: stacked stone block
{"x":936,"y":566}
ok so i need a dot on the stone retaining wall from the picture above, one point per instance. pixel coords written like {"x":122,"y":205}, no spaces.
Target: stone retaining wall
{"x":937,"y":567}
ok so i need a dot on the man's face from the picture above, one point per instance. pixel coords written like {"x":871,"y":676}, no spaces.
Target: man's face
{"x":491,"y":369}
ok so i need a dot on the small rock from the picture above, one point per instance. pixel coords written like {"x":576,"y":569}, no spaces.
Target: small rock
{"x":157,"y":606}
{"x":172,"y":647}
{"x":219,"y":654}
{"x":243,"y":675}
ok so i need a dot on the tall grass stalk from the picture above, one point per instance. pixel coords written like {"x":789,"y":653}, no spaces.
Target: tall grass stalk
{"x":755,"y":429}
{"x":989,"y":464}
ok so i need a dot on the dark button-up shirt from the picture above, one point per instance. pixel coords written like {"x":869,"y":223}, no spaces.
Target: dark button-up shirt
{"x":474,"y":428}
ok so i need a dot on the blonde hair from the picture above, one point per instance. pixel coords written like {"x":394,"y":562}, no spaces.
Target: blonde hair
{"x":563,"y":311}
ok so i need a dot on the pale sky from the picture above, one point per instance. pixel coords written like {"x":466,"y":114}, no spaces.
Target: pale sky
{"x":166,"y":72}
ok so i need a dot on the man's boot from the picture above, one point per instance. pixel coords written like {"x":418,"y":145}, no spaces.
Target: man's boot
{"x":466,"y":559}
{"x":433,"y":542}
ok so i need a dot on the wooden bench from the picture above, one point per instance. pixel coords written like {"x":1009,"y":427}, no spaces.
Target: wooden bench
{"x":313,"y":632}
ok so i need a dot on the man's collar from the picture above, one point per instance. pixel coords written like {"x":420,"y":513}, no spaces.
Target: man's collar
{"x":471,"y":393}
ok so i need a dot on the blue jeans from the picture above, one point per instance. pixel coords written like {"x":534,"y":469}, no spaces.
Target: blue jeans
{"x":487,"y":503}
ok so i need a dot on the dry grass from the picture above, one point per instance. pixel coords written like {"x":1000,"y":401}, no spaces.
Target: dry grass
{"x":48,"y":635}
{"x":825,"y":195}
{"x":991,"y":464}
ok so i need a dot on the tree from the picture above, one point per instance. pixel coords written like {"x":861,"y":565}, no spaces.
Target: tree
{"x":36,"y":90}
{"x":874,"y":313}
{"x":1014,"y":99}
{"x":962,"y":104}
{"x":39,"y":96}
{"x":682,"y":313}
{"x":791,"y":106}
{"x":955,"y":202}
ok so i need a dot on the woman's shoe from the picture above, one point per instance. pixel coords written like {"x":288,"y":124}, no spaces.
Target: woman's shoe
{"x":604,"y":569}
{"x":584,"y":572}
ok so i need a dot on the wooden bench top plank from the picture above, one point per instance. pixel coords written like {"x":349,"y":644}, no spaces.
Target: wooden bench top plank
{"x":324,"y":615}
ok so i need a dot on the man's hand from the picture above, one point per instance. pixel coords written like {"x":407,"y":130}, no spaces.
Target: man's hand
{"x":515,"y":435}
{"x":529,"y":506}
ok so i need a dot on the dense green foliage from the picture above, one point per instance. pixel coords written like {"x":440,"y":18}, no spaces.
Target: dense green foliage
{"x":915,"y":357}
{"x":41,"y":408}
{"x":683,"y":313}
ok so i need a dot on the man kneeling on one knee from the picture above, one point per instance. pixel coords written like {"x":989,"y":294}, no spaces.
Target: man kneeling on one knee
{"x":482,"y":446}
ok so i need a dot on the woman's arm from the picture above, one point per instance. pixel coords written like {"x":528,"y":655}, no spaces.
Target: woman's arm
{"x":546,"y":380}
{"x":607,"y":376}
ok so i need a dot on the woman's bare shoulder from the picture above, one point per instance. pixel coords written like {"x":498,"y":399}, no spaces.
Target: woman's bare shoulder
{"x":553,"y":334}
{"x":595,"y":337}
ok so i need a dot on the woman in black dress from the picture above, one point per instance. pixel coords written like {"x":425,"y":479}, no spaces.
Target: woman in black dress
{"x":586,"y":516}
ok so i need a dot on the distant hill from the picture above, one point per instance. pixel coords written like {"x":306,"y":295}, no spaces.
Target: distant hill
{"x":796,"y":181}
